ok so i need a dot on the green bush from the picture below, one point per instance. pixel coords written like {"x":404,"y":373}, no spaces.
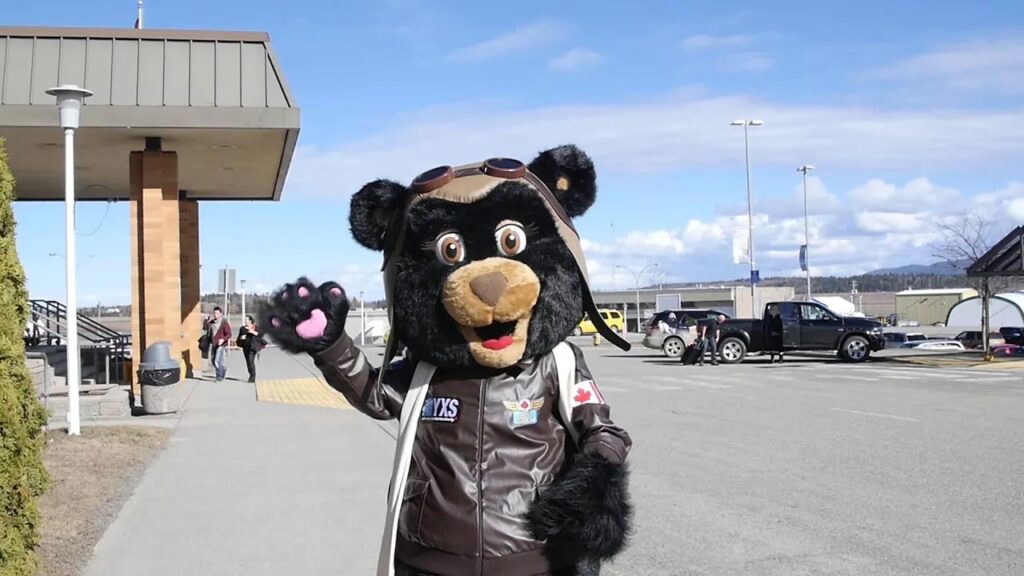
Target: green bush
{"x":22,"y":476}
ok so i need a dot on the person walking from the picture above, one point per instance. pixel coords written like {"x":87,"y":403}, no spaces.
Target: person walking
{"x":251,"y":342}
{"x":220,"y":335}
{"x":707,"y":330}
{"x":774,"y":337}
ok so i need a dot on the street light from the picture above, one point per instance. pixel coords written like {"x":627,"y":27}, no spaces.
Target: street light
{"x":750,"y":206}
{"x":807,"y":243}
{"x":362,"y":319}
{"x":69,"y":102}
{"x":242,"y":282}
{"x":636,"y":278}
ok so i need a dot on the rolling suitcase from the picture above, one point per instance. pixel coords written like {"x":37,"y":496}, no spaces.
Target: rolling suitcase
{"x":693,"y":353}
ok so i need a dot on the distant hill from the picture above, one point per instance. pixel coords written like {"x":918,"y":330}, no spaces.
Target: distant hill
{"x":937,"y":269}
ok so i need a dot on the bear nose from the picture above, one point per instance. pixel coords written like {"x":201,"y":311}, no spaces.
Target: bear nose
{"x":489,"y":288}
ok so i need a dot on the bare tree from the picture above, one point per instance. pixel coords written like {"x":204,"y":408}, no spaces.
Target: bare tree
{"x":965,"y":239}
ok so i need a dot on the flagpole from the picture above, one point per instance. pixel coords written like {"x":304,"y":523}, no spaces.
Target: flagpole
{"x":138,"y":21}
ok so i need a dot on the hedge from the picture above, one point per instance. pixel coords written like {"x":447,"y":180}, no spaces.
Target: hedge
{"x":22,"y":476}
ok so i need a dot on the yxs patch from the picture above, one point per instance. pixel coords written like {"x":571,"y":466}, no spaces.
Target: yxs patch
{"x":524,"y":412}
{"x":440,"y":409}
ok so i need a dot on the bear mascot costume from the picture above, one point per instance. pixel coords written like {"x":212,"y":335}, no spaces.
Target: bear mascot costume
{"x":507,"y":461}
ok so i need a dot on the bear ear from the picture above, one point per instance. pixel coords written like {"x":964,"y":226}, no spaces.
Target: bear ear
{"x":372,"y":209}
{"x":570,"y":175}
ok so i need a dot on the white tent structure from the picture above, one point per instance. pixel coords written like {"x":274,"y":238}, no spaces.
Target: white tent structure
{"x":837,"y":304}
{"x":1007,"y":309}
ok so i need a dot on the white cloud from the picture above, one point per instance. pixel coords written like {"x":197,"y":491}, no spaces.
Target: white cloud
{"x":712,"y":42}
{"x":525,"y":39}
{"x":911,"y":197}
{"x":747,"y":62}
{"x":892,"y":222}
{"x":668,"y":134}
{"x":575,"y":59}
{"x":979,"y":65}
{"x":701,"y":250}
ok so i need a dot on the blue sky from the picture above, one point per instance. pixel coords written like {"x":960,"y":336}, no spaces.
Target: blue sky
{"x":911,"y":112}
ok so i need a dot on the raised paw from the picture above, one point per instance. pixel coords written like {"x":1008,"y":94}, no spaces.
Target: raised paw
{"x":302,"y":317}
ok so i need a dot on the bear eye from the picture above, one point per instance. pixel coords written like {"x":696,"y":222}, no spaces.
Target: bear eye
{"x":449,"y":248}
{"x":511,"y":238}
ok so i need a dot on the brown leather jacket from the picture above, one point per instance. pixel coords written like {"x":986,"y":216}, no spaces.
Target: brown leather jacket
{"x":487,"y":444}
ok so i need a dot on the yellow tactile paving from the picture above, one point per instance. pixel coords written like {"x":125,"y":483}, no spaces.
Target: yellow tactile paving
{"x":304,"y":391}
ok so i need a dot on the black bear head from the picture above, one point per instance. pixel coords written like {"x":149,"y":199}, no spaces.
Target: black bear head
{"x":484,"y":280}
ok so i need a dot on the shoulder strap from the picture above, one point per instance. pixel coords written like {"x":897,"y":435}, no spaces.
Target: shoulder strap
{"x":565,"y":363}
{"x":407,"y":424}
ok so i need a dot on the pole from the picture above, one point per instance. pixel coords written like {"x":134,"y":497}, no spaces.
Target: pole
{"x":243,"y":301}
{"x":807,"y":241}
{"x":74,"y":364}
{"x":637,"y":286}
{"x":362,"y":319}
{"x":750,"y":220}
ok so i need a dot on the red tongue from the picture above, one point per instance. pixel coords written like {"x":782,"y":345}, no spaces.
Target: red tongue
{"x":498,"y":344}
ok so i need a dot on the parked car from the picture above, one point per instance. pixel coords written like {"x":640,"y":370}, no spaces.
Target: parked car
{"x":903,"y":339}
{"x":919,"y":341}
{"x":674,"y":342}
{"x":1013,"y":334}
{"x":936,"y":344}
{"x":806,"y":326}
{"x":972,"y":339}
{"x":613,"y":318}
{"x":1013,"y":350}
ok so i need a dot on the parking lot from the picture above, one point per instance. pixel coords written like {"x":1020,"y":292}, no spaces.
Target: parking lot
{"x":818,"y":467}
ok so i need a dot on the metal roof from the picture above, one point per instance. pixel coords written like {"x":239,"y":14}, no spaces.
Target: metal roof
{"x":218,"y":99}
{"x":1006,"y":258}
{"x":939,"y":292}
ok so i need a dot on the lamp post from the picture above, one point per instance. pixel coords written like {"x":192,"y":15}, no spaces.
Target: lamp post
{"x":242,"y":282}
{"x":636,"y":286}
{"x":69,"y":102}
{"x":362,"y":319}
{"x":807,"y":243}
{"x":750,"y":206}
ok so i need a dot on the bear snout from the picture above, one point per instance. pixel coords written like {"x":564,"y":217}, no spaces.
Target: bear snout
{"x":489,"y":291}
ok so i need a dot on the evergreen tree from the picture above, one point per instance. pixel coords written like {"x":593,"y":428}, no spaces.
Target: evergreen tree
{"x":22,"y":476}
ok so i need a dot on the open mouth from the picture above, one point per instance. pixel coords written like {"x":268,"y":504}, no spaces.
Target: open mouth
{"x":496,"y":336}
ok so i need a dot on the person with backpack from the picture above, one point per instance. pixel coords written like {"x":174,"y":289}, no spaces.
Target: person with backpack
{"x":220,"y":335}
{"x":251,"y":341}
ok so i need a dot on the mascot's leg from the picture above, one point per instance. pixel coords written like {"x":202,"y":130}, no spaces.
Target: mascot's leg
{"x":588,"y":508}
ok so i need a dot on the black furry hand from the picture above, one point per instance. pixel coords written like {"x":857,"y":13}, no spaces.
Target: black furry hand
{"x":587,"y":506}
{"x":304,"y":318}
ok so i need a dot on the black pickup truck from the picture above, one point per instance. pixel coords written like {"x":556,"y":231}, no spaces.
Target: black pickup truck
{"x":806,"y":326}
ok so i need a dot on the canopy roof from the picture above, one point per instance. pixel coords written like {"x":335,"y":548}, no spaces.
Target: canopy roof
{"x":218,"y":99}
{"x":1006,"y":258}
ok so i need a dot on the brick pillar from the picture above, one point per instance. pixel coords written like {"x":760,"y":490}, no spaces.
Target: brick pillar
{"x":191,"y":323}
{"x":156,"y":258}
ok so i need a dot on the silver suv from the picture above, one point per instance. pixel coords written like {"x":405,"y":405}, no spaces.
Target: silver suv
{"x":672,"y":339}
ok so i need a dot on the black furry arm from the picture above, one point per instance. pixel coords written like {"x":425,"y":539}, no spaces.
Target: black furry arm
{"x":588,"y":506}
{"x":348,"y":371}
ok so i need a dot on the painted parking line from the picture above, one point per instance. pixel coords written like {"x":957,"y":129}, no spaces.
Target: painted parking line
{"x":875,"y":414}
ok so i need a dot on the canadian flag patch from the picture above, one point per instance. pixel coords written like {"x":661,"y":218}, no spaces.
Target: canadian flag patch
{"x":586,"y":392}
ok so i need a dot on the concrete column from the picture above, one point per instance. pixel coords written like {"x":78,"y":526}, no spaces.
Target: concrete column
{"x":191,"y":323}
{"x":155,"y":251}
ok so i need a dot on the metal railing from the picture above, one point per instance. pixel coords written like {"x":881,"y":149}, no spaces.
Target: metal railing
{"x":49,"y":319}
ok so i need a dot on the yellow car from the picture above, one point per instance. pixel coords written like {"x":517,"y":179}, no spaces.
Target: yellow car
{"x":613,"y":318}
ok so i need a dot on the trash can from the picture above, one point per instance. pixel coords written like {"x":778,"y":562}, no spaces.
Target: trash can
{"x":159,"y":375}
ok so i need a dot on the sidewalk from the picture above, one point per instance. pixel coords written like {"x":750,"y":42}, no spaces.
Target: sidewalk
{"x":256,"y":488}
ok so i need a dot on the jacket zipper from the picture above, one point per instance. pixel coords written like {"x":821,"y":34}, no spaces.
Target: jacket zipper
{"x":479,"y":479}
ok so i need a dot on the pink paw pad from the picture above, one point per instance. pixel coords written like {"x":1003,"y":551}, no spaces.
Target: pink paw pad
{"x":275,"y":322}
{"x":312,"y":327}
{"x":303,"y":292}
{"x":336,"y":292}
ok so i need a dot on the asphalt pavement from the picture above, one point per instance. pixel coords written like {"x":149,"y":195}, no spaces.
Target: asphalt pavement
{"x":809,"y":467}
